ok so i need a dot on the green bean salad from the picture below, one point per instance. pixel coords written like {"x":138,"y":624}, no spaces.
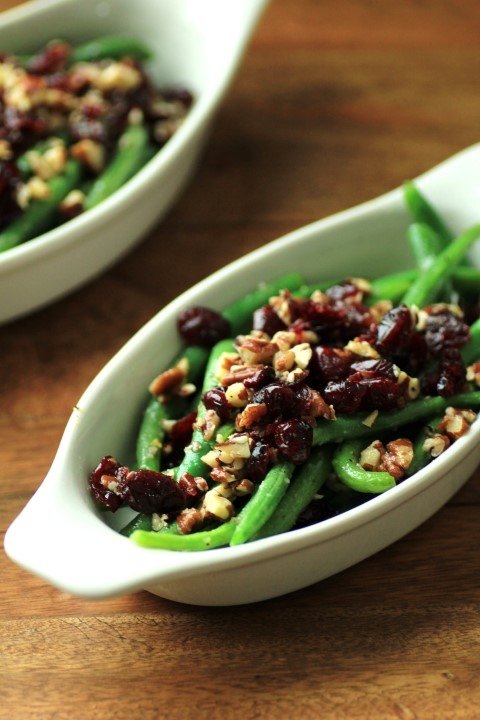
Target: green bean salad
{"x":75,"y":124}
{"x":299,"y":402}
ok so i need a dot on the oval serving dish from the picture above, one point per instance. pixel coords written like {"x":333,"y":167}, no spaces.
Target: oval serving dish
{"x":195,"y":45}
{"x":78,"y":552}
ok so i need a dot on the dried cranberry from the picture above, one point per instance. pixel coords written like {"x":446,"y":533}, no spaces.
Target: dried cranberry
{"x":449,"y":376}
{"x":346,"y":397}
{"x":445,"y":330}
{"x":257,"y":464}
{"x":394,"y":330}
{"x":216,"y":400}
{"x":181,"y":432}
{"x":202,"y":326}
{"x":106,"y":483}
{"x":148,"y":491}
{"x":343,"y":290}
{"x":279,"y":399}
{"x":52,"y":59}
{"x":266,"y":320}
{"x":263,"y":376}
{"x":294,"y":439}
{"x":329,"y":364}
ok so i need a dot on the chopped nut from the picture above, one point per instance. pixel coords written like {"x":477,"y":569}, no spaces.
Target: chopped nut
{"x":252,"y":414}
{"x":186,"y":389}
{"x":370,"y":419}
{"x":456,"y":422}
{"x":379,"y":309}
{"x":244,"y":487}
{"x":221,"y":475}
{"x":218,"y":505}
{"x":90,"y":153}
{"x":254,"y":351}
{"x":135,"y":116}
{"x":436,"y":444}
{"x":303,"y":354}
{"x":211,"y":424}
{"x":159,"y":521}
{"x":167,"y":380}
{"x":211,"y":458}
{"x":6,"y":152}
{"x":284,"y":339}
{"x":283,"y":360}
{"x":224,"y":365}
{"x":188,"y":520}
{"x":237,"y":395}
{"x":38,"y":189}
{"x":413,"y":388}
{"x":362,"y":348}
{"x":398,"y":457}
{"x":473,"y":373}
{"x":237,"y":446}
{"x":117,"y":76}
{"x":371,"y":456}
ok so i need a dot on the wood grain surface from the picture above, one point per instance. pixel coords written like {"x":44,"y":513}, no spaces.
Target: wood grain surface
{"x":336,"y":102}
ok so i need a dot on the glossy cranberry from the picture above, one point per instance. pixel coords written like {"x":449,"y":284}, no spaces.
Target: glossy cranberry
{"x":216,"y":400}
{"x":202,"y":326}
{"x":148,"y":491}
{"x":380,"y":367}
{"x":394,"y":330}
{"x":181,"y":432}
{"x":346,"y":397}
{"x":109,"y":491}
{"x":279,"y":399}
{"x":445,"y":330}
{"x":343,"y":291}
{"x":267,"y":320}
{"x":294,"y":439}
{"x":52,"y":59}
{"x":337,"y":322}
{"x":449,"y":376}
{"x":257,"y":464}
{"x":327,"y":364}
{"x":263,"y":376}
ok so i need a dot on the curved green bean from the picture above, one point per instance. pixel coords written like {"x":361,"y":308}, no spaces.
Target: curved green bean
{"x":471,"y":350}
{"x":203,"y":540}
{"x":306,"y":482}
{"x":346,"y":465}
{"x":423,"y":212}
{"x":263,"y":503}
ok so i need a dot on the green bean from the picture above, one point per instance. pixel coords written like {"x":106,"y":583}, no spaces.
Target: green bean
{"x":192,"y":461}
{"x":353,"y":475}
{"x":239,"y":312}
{"x":421,"y":457}
{"x":466,"y":280}
{"x":423,"y":212}
{"x":151,"y":433}
{"x":40,"y":214}
{"x":425,"y":243}
{"x":203,"y":540}
{"x":425,"y":288}
{"x":348,"y":427}
{"x":306,"y":482}
{"x":111,"y":47}
{"x":131,"y":149}
{"x":263,"y":503}
{"x":471,"y":350}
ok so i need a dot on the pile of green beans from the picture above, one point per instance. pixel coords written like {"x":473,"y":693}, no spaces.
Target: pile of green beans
{"x":287,"y":490}
{"x":134,"y":148}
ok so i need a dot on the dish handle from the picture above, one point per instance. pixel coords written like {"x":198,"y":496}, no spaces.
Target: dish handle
{"x":58,"y":537}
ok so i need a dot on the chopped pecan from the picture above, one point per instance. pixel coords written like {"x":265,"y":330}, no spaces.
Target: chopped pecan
{"x":254,"y":351}
{"x":237,"y":395}
{"x":188,"y":520}
{"x":252,"y":414}
{"x":436,"y":445}
{"x":473,"y":373}
{"x":397,"y":458}
{"x":167,"y":381}
{"x":456,"y":422}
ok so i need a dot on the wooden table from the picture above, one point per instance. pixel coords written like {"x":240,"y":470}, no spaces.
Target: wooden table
{"x":336,"y":102}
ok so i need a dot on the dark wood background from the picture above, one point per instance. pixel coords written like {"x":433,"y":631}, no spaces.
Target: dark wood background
{"x":336,"y":102}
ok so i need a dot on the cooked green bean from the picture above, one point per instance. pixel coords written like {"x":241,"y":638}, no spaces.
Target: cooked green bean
{"x":421,"y":457}
{"x":347,"y":427}
{"x":239,"y":312}
{"x":471,"y":350}
{"x":111,"y":47}
{"x":132,"y":145}
{"x":426,"y":286}
{"x":203,"y":540}
{"x":306,"y":482}
{"x":263,"y":503}
{"x":40,"y":214}
{"x":423,"y":212}
{"x":353,"y":475}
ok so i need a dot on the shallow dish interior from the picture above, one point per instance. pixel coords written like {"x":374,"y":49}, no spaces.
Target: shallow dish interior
{"x":365,"y":241}
{"x":197,"y":45}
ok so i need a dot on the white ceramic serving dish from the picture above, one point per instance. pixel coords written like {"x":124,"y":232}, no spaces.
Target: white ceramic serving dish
{"x":63,"y":538}
{"x":197,"y":45}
